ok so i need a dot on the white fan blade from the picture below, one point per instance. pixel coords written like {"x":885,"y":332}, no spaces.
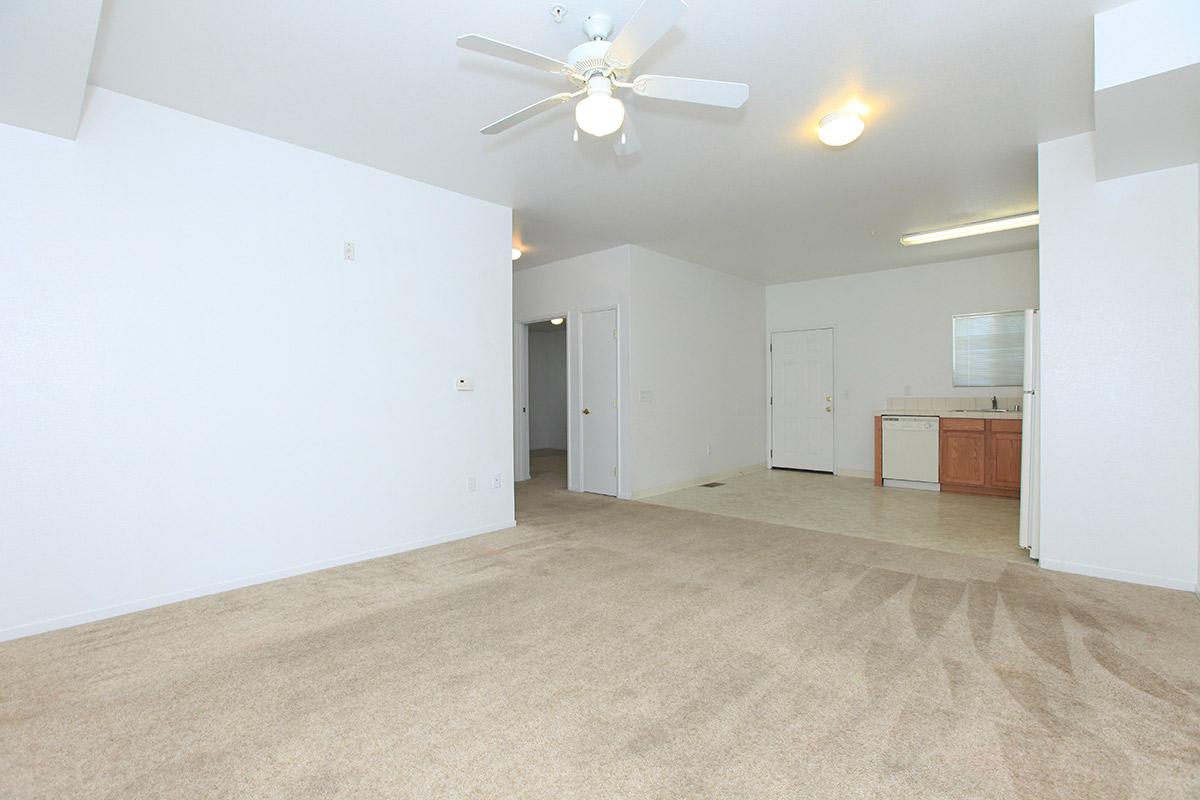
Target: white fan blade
{"x":692,"y":90}
{"x":528,"y":112}
{"x":627,"y":142}
{"x":647,"y":25}
{"x":491,"y":47}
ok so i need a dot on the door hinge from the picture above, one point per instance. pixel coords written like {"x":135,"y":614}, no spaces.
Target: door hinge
{"x":614,"y":333}
{"x":772,"y":399}
{"x":614,"y":472}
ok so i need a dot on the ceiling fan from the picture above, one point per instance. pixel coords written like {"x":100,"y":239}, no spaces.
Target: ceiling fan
{"x":599,"y":67}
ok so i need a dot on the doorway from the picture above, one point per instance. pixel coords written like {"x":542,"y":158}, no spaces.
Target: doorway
{"x":546,"y":406}
{"x":566,"y":426}
{"x":541,"y":369}
{"x":801,"y":402}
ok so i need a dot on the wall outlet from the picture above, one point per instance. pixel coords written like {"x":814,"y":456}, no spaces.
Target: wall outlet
{"x":497,"y":482}
{"x":464,"y":385}
{"x":348,"y":251}
{"x":471,"y":483}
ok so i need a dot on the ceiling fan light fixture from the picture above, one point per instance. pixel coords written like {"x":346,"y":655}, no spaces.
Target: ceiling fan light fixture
{"x":841,"y":127}
{"x":599,"y":113}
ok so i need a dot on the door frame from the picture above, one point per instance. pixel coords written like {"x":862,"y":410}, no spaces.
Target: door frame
{"x":573,"y":433}
{"x":770,"y":356}
{"x":521,"y":394}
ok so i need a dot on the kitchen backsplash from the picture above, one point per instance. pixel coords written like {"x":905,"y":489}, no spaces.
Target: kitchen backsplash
{"x":952,"y":403}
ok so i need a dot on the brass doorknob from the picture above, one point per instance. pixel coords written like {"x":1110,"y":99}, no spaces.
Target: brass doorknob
{"x":829,"y":409}
{"x":587,"y":411}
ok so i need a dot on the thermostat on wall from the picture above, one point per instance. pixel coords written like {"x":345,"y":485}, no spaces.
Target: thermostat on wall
{"x":464,"y":385}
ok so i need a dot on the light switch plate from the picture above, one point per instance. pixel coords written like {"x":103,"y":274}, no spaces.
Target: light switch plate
{"x":464,"y":385}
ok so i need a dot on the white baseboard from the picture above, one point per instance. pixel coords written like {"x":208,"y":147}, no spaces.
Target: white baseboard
{"x":640,"y":494}
{"x":1117,"y":575}
{"x":141,"y":604}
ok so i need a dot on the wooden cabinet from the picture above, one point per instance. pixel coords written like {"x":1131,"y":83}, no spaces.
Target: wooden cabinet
{"x":981,"y":456}
{"x":977,"y":456}
{"x":963,"y":459}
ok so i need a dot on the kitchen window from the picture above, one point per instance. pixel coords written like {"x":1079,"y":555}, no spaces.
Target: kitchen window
{"x":989,"y":349}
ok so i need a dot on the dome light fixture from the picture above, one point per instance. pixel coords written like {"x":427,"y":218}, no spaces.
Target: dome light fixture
{"x":516,"y":253}
{"x":599,"y":113}
{"x":556,"y":321}
{"x":841,"y":127}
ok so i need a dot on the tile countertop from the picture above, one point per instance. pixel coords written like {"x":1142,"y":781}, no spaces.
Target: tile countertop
{"x":911,"y":412}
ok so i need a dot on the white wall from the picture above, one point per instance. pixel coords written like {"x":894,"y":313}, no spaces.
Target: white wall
{"x":1144,"y":38}
{"x":568,"y":287}
{"x":691,"y":337}
{"x":197,"y":392}
{"x":548,"y":390}
{"x":697,"y":373}
{"x":1120,"y":299}
{"x":892,"y":334}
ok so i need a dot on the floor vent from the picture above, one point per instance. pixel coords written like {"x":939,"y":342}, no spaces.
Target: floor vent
{"x":712,"y":485}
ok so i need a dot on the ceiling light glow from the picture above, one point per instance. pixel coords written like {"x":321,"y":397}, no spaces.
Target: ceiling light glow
{"x":516,"y":253}
{"x":972,"y":229}
{"x":556,"y":321}
{"x":599,"y":113}
{"x":841,"y":127}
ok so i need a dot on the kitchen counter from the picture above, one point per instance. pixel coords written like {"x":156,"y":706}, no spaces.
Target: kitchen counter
{"x":926,"y":412}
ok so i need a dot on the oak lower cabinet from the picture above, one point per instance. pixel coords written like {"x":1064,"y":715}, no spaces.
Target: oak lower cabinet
{"x":980,"y":456}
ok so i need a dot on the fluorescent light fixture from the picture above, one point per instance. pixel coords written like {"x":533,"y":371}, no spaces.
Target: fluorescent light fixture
{"x":516,"y":253}
{"x":841,"y":127}
{"x":971,"y":229}
{"x":556,"y":321}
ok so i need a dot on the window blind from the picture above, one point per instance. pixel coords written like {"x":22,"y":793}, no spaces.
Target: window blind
{"x":989,"y":349}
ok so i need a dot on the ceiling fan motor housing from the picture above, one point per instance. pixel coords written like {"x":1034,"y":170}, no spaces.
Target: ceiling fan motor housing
{"x":588,"y":58}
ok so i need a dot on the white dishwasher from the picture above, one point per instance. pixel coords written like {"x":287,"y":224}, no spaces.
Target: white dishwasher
{"x":910,"y":452}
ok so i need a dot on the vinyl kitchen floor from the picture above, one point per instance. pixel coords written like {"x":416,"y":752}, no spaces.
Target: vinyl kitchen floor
{"x":953,"y":523}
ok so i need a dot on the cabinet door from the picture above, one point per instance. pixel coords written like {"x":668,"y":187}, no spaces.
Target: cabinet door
{"x":962,"y":458}
{"x":1004,"y":460}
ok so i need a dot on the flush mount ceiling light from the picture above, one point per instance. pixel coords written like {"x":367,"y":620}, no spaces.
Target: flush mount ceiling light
{"x":841,"y":127}
{"x":971,"y":229}
{"x":556,"y":321}
{"x":516,"y":253}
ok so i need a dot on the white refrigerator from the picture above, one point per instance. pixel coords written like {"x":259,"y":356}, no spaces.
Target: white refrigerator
{"x":1030,"y":437}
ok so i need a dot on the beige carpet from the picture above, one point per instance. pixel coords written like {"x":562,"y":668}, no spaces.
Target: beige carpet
{"x":622,"y":650}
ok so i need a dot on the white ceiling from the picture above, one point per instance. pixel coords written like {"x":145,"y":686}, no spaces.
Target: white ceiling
{"x":961,"y":92}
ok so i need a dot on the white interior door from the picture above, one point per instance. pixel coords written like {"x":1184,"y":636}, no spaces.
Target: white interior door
{"x":598,"y":402}
{"x":520,"y":402}
{"x":802,"y":399}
